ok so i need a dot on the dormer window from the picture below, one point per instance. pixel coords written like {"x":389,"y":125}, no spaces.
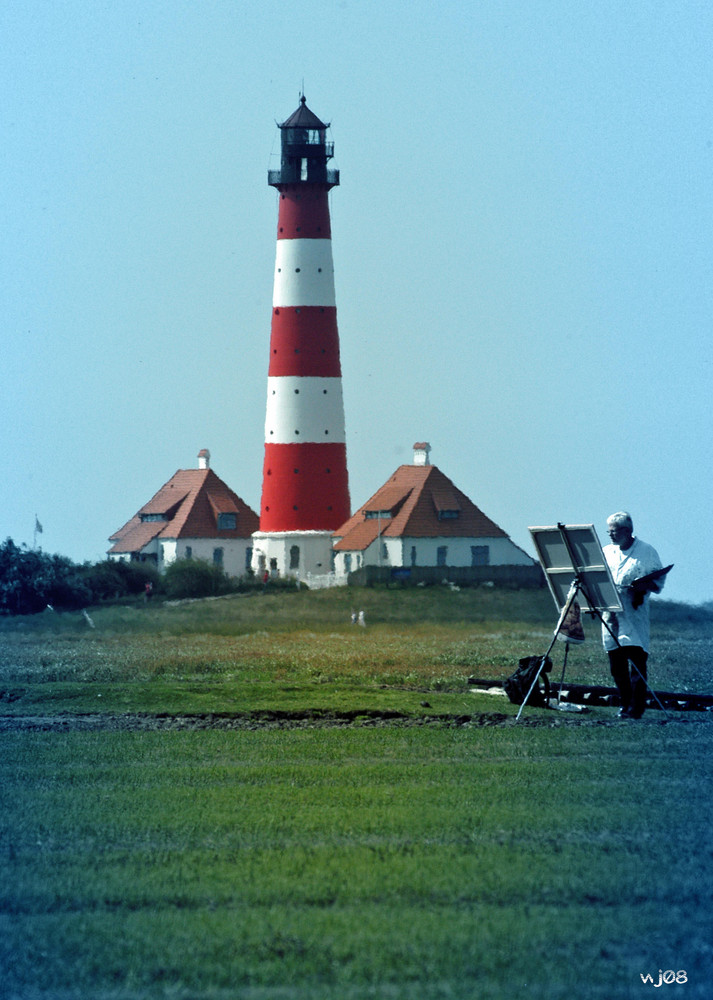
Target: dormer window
{"x":227,"y":522}
{"x":153,"y":517}
{"x":372,"y":515}
{"x":448,"y":515}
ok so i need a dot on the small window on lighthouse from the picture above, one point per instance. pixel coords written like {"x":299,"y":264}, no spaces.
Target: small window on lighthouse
{"x":303,"y":169}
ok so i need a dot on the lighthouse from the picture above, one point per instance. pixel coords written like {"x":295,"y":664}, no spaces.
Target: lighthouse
{"x":305,"y":489}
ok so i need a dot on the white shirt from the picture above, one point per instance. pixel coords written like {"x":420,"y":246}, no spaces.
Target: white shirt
{"x":627,"y":566}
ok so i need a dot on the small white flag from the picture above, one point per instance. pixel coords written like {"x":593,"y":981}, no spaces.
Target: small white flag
{"x":38,"y":526}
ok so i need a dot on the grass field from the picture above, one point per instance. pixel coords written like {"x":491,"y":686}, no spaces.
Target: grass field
{"x":253,"y":798}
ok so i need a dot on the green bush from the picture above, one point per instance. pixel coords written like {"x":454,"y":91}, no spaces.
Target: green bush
{"x":110,"y":580}
{"x":196,"y":578}
{"x":31,"y":579}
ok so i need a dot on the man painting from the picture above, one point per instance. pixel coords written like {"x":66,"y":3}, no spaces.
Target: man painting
{"x":626,"y":633}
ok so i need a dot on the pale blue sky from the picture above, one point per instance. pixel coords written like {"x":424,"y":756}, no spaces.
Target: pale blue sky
{"x":522,"y":249}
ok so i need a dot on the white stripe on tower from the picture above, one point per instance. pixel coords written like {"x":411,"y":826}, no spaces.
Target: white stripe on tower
{"x":302,"y":409}
{"x":304,"y":274}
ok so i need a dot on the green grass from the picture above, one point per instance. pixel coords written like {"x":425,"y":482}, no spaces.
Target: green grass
{"x":416,"y":862}
{"x":232,"y":653}
{"x":556,"y":860}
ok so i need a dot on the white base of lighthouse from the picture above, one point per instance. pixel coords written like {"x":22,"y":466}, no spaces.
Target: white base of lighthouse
{"x":296,"y":554}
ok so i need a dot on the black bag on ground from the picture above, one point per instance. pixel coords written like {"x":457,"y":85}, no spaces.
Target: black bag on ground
{"x":518,"y":684}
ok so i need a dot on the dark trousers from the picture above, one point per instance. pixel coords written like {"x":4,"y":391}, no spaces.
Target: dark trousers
{"x":630,"y":679}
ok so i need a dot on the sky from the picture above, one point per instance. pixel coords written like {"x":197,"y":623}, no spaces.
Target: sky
{"x":522,"y":243}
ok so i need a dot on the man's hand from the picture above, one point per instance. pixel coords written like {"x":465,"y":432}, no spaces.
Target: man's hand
{"x":638,"y":591}
{"x":612,"y":622}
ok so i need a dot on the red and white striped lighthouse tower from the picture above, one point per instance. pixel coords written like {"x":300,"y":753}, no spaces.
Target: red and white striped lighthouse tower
{"x":305,"y":490}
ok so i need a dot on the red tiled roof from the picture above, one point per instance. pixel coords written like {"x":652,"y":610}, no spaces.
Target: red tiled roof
{"x":135,"y":535}
{"x":190,"y":502}
{"x":415,"y":495}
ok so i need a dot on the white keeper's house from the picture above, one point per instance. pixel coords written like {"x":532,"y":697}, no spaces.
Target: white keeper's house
{"x":419,"y":518}
{"x":194,"y":515}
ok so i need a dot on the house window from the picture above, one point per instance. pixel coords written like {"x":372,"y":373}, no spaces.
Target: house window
{"x":413,"y":555}
{"x":217,"y":557}
{"x":248,"y":557}
{"x":348,"y":562}
{"x":372,"y":515}
{"x":153,"y":517}
{"x":189,"y":551}
{"x":448,"y":515}
{"x":384,"y":551}
{"x":480,"y":555}
{"x":442,"y":555}
{"x":227,"y":522}
{"x":294,"y":557}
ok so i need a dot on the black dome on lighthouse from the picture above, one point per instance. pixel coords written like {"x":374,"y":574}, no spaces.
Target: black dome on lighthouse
{"x":304,"y":118}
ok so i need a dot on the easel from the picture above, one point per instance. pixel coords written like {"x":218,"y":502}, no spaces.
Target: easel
{"x":564,"y":550}
{"x":573,"y":591}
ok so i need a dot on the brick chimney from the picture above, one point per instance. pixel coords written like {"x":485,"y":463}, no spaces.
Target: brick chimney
{"x":204,"y":459}
{"x":421,"y":451}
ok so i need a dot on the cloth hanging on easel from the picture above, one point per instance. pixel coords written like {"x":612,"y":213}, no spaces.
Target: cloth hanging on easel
{"x":571,"y":629}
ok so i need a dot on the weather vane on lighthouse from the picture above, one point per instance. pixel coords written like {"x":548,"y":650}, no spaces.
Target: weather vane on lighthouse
{"x":305,"y":490}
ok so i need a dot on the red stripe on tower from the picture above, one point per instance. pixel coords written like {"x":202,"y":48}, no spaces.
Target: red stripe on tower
{"x":305,"y":485}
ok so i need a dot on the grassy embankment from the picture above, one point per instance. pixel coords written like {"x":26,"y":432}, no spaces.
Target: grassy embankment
{"x":296,"y":651}
{"x":563,"y":859}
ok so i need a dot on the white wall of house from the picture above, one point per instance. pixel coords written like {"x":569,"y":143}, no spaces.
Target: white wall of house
{"x":458,"y":552}
{"x":292,"y":553}
{"x":233,"y":554}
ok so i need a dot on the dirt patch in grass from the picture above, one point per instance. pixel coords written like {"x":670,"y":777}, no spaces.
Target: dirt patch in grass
{"x":139,"y":722}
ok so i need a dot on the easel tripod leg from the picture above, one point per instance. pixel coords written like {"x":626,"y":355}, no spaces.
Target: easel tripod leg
{"x":565,"y":610}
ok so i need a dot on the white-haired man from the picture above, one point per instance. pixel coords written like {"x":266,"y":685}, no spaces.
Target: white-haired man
{"x":626,"y":639}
